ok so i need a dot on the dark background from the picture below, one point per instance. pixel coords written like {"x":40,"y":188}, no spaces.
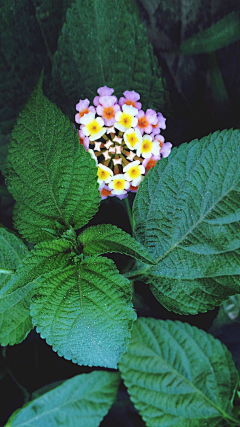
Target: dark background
{"x":205,"y":96}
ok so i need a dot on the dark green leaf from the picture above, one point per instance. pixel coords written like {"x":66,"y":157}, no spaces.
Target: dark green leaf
{"x":221,"y":34}
{"x":15,"y":296}
{"x":105,"y":43}
{"x":105,"y":238}
{"x":90,"y":317}
{"x":178,"y":375}
{"x":52,"y":178}
{"x":79,"y":402}
{"x":187,"y":213}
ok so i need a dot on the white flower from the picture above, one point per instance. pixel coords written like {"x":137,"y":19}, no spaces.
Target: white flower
{"x":133,"y":172}
{"x":148,"y":147}
{"x":132,"y":138}
{"x":125,"y":119}
{"x":93,"y":126}
{"x":104,"y":174}
{"x":119,"y":184}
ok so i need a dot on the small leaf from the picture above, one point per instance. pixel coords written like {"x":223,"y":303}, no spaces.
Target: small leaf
{"x":178,"y":375}
{"x":90,"y":317}
{"x":79,"y":402}
{"x":105,"y":238}
{"x":15,"y":296}
{"x":52,"y":178}
{"x":187,"y":213}
{"x":12,"y":253}
{"x":219,"y":35}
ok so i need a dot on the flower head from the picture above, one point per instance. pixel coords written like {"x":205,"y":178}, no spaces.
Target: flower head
{"x":124,"y":141}
{"x":126,"y":119}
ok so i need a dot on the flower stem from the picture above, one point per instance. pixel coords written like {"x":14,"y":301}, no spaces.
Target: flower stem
{"x":129,"y":211}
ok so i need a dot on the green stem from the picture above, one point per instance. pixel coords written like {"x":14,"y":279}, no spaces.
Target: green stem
{"x":129,"y":211}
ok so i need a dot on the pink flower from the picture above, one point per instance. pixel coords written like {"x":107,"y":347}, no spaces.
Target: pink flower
{"x":131,"y":98}
{"x":102,"y":91}
{"x":107,"y":108}
{"x":146,"y":120}
{"x":161,"y":124}
{"x":83,"y":108}
{"x":84,"y":140}
{"x":165,"y":147}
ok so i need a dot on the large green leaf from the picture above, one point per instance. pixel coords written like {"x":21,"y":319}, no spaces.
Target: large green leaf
{"x":12,"y":253}
{"x":105,"y":238}
{"x":219,"y":35}
{"x":52,"y":178}
{"x":85,"y":312}
{"x":15,"y":296}
{"x":178,"y":375}
{"x":187,"y":213}
{"x":79,"y":402}
{"x":104,"y":43}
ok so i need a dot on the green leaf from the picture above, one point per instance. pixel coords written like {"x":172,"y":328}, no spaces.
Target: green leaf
{"x":80,"y":401}
{"x":187,"y":213}
{"x":15,"y":296}
{"x":219,"y":35}
{"x":178,"y":375}
{"x":52,"y":178}
{"x":12,"y":253}
{"x":105,"y":43}
{"x":90,"y":318}
{"x":105,"y":238}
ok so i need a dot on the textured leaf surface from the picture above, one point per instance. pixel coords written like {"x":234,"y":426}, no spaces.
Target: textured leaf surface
{"x":105,"y":238}
{"x":12,"y":253}
{"x":80,"y":401}
{"x":178,"y":375}
{"x":221,"y":34}
{"x":15,"y":296}
{"x":105,"y":43}
{"x":85,"y":312}
{"x":187,"y":213}
{"x":52,"y":178}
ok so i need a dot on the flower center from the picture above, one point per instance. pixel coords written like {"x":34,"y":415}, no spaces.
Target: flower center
{"x":82,"y":112}
{"x":142,"y":122}
{"x":130,"y":103}
{"x":108,"y":113}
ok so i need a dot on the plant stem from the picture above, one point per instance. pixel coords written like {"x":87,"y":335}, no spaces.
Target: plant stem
{"x":129,"y":211}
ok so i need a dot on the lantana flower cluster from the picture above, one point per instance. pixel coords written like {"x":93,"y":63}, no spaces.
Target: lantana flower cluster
{"x":124,"y":140}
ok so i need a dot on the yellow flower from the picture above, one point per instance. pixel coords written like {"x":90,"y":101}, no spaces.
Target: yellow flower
{"x":148,"y":147}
